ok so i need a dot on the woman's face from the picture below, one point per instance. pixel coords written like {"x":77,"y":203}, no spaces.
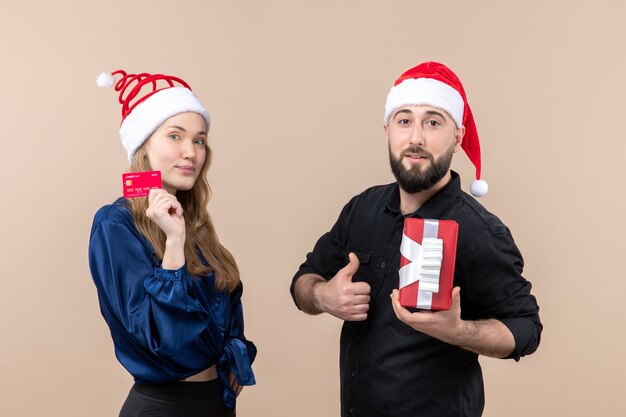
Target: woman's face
{"x":178,"y":149}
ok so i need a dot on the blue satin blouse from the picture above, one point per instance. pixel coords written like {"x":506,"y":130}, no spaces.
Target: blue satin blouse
{"x":166,"y":325}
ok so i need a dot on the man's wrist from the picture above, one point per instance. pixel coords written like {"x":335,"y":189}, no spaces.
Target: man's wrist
{"x":308,"y":293}
{"x":317,"y":294}
{"x":468,"y":330}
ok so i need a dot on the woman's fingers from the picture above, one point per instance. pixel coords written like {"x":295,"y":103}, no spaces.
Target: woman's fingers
{"x":166,"y":212}
{"x":160,"y":202}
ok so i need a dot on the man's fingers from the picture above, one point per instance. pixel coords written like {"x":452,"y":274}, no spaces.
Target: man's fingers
{"x":361,"y":299}
{"x":343,"y":298}
{"x":357,"y":317}
{"x":361,"y":288}
{"x":359,"y":308}
{"x":395,"y":302}
{"x":401,"y":313}
{"x":456,"y":296}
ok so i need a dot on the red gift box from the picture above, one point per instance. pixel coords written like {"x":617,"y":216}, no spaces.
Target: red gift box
{"x":427,"y":256}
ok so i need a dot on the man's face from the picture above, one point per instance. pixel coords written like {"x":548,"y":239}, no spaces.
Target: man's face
{"x":422,"y":140}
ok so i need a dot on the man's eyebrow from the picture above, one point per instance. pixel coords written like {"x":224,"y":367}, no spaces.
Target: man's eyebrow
{"x":435,"y":113}
{"x":403,"y":111}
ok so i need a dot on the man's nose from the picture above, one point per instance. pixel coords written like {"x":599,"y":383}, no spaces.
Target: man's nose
{"x":417,"y":135}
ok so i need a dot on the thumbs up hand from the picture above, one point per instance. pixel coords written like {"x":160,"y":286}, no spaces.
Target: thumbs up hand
{"x":343,"y":298}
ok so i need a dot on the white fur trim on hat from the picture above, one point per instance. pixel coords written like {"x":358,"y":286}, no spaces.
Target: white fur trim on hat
{"x":425,"y":91}
{"x":144,"y":119}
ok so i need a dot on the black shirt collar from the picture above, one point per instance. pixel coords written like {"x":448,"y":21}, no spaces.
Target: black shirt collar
{"x":435,"y":206}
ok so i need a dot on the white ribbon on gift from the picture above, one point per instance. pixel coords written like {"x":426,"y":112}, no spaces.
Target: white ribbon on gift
{"x":424,"y":263}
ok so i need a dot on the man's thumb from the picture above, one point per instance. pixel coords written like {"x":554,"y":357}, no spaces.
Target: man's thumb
{"x":350,"y":269}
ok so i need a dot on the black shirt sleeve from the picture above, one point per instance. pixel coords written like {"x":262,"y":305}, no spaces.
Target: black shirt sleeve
{"x":493,"y":287}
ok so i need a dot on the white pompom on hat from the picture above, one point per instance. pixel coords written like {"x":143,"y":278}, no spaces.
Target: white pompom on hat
{"x":105,"y":80}
{"x":434,"y":84}
{"x":143,"y":113}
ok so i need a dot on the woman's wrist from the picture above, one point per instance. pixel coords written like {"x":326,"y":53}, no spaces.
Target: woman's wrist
{"x":174,"y":255}
{"x":175,"y":242}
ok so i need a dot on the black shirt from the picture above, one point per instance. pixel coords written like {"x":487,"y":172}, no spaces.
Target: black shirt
{"x":386,"y":367}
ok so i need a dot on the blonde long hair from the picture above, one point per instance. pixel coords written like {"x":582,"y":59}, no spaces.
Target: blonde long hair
{"x":200,"y":235}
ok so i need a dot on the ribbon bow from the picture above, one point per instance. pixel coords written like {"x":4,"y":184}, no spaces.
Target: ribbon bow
{"x":424,"y":263}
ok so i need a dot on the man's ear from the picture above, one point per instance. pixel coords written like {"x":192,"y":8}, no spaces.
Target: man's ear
{"x":458,"y":138}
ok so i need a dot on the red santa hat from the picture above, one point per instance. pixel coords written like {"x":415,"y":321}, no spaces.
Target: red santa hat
{"x":434,"y":84}
{"x":163,"y":96}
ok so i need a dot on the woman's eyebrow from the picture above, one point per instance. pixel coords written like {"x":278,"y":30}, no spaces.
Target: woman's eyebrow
{"x":176,"y":127}
{"x":182,"y":129}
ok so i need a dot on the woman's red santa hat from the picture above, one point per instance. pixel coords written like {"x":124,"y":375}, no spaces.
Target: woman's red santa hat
{"x":163,"y":96}
{"x":434,"y":84}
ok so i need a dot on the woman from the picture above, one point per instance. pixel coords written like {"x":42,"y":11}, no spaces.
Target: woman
{"x":169,"y":291}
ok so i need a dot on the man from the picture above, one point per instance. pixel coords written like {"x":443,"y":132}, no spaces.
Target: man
{"x":396,"y":362}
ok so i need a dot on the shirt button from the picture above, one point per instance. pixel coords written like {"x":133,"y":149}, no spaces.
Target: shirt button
{"x":353,"y":374}
{"x":350,"y":410}
{"x":382,"y":265}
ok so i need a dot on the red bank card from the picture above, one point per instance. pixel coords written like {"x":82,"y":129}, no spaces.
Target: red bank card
{"x":139,"y":184}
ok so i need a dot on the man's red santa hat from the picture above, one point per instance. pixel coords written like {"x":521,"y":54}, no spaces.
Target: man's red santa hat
{"x":434,"y":84}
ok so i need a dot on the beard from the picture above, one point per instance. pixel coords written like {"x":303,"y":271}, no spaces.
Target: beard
{"x":416,"y":179}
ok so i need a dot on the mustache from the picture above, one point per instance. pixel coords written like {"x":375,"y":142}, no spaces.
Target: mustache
{"x":417,"y":150}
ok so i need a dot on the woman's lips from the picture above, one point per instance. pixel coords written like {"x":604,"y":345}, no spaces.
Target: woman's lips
{"x":186,"y":168}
